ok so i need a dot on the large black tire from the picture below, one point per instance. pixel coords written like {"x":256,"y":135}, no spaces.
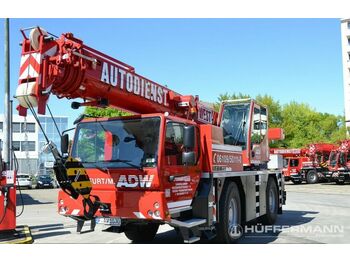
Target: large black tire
{"x":141,"y":233}
{"x":229,"y":229}
{"x":311,"y":177}
{"x":339,"y":182}
{"x":272,"y":201}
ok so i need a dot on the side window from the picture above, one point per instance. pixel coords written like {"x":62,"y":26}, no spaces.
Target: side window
{"x":342,"y":159}
{"x":174,"y":143}
{"x":319,"y":157}
{"x":294,"y":162}
{"x":325,"y":157}
{"x":256,"y":127}
{"x":348,"y":157}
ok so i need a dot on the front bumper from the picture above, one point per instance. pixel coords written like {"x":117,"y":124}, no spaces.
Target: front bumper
{"x":296,"y":177}
{"x":127,"y":205}
{"x":25,"y":184}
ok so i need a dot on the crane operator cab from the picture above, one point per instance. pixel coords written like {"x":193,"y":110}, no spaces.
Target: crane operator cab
{"x":245,"y":124}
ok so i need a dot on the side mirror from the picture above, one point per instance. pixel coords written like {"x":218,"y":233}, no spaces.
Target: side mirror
{"x":189,"y":137}
{"x":64,"y":144}
{"x":188,"y":158}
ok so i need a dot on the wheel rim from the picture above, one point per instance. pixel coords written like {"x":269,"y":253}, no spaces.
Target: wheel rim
{"x":233,"y":219}
{"x":312,"y":177}
{"x":272,"y":201}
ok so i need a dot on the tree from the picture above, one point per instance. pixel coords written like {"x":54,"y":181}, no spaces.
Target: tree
{"x":302,"y":124}
{"x":227,"y":96}
{"x":274,"y":108}
{"x":104,"y":112}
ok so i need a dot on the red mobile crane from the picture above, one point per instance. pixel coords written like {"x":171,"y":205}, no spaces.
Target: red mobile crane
{"x":174,"y":161}
{"x":291,"y":160}
{"x":316,"y":168}
{"x":309,"y":164}
{"x":339,"y":163}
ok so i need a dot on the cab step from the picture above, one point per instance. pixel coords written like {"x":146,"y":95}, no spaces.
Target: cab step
{"x":192,"y":240}
{"x":193,"y":222}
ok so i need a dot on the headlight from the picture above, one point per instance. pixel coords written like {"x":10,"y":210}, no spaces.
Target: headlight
{"x":40,"y":182}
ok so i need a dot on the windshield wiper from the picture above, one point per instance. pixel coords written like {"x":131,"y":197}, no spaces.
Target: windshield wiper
{"x":124,"y":161}
{"x":240,"y":130}
{"x":103,"y":169}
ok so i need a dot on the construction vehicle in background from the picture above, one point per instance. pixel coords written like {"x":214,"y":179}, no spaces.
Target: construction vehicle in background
{"x":339,"y":163}
{"x":291,"y":157}
{"x":174,"y":161}
{"x":315,"y":169}
{"x":308,"y":164}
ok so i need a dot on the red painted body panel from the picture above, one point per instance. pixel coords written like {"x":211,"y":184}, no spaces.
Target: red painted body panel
{"x":8,"y":212}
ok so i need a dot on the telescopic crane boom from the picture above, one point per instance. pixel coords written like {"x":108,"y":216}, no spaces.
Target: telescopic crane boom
{"x":68,"y":68}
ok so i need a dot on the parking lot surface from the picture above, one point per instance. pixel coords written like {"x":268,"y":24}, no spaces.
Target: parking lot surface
{"x":318,"y":213}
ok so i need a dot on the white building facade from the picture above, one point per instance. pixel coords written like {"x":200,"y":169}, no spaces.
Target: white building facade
{"x":345,"y":42}
{"x":28,"y":140}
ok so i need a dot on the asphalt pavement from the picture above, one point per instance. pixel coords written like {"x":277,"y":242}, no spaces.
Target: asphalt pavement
{"x":317,"y":213}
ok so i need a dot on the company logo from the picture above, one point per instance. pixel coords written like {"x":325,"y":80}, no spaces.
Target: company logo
{"x":298,"y":230}
{"x":236,"y":231}
{"x":132,"y":181}
{"x":119,"y":78}
{"x":205,"y":115}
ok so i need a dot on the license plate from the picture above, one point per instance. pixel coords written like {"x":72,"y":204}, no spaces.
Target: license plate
{"x":46,"y":184}
{"x":113,"y":221}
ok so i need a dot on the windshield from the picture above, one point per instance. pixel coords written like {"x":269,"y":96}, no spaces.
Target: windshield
{"x":285,"y":162}
{"x":44,"y":178}
{"x":294,"y":162}
{"x":118,"y":143}
{"x":333,"y":159}
{"x":235,"y":124}
{"x":23,"y":176}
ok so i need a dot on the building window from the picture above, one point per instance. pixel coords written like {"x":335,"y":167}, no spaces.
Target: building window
{"x":29,"y":126}
{"x":1,"y":127}
{"x":16,"y":127}
{"x":27,"y":146}
{"x":15,"y":145}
